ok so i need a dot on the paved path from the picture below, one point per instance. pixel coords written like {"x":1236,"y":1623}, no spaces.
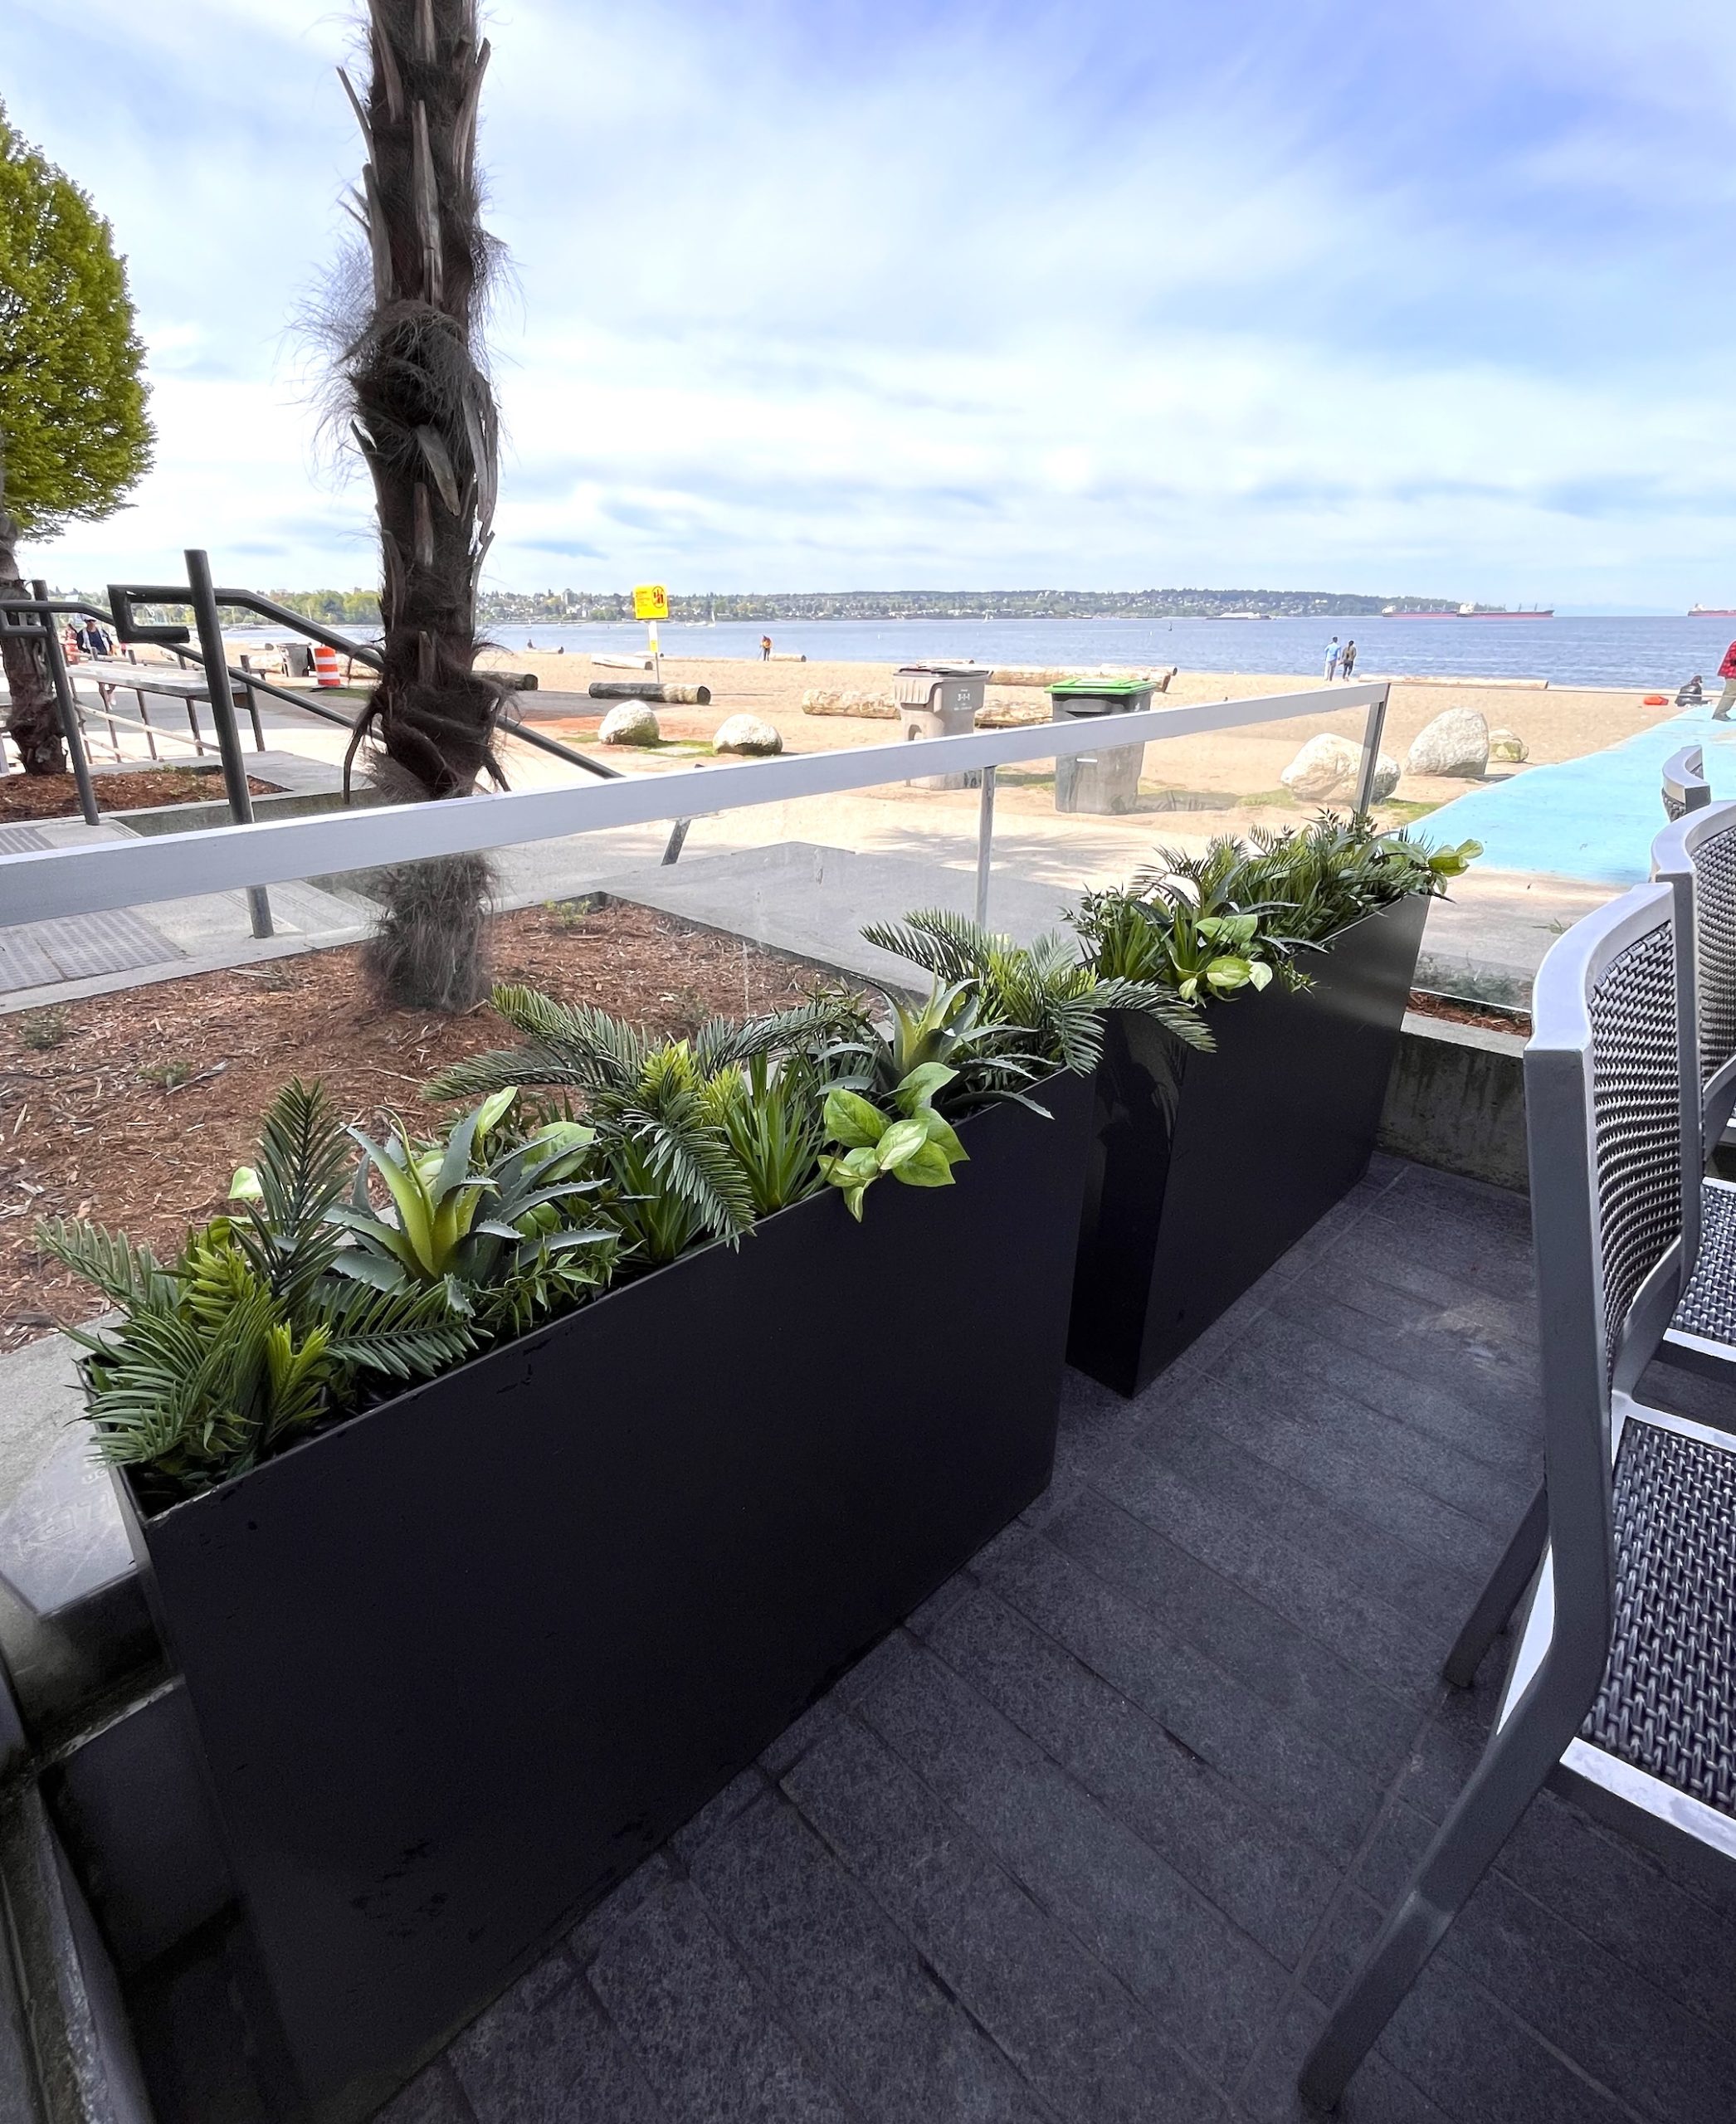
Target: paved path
{"x":1591,"y":818}
{"x":1096,"y":1837}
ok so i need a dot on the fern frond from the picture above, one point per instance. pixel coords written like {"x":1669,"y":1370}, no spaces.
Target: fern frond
{"x":1169,"y":1009}
{"x":126,"y":1273}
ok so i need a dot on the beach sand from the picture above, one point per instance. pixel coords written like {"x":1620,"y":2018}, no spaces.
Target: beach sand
{"x":1190,"y":787}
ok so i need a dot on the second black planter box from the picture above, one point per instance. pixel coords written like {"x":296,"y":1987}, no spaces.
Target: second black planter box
{"x":458,"y":1664}
{"x":1206,"y":1168}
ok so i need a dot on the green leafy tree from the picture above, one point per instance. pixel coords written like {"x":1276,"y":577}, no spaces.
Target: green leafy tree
{"x":74,"y":437}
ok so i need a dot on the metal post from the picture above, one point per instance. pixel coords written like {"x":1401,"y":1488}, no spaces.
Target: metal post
{"x":210,"y":632}
{"x":672,"y":850}
{"x":67,"y":704}
{"x":985,"y":844}
{"x":1370,"y":752}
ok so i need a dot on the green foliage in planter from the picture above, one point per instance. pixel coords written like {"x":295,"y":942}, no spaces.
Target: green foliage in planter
{"x":662,"y":1110}
{"x":914,"y":1146}
{"x":1007,"y":1014}
{"x":246,"y":1340}
{"x":339,"y":1275}
{"x":485,"y":1220}
{"x":1209,"y":925}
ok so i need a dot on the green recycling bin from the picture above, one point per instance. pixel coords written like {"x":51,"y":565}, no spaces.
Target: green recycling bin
{"x":1106,"y":779}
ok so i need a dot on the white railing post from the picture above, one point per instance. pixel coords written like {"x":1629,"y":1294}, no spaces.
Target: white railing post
{"x":985,"y":844}
{"x":1371,"y":733}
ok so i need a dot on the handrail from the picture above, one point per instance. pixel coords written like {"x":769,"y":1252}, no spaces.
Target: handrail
{"x":39,"y":884}
{"x":124,"y":596}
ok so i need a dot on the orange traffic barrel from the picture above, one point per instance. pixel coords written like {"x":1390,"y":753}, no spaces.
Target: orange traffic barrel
{"x":325,"y":665}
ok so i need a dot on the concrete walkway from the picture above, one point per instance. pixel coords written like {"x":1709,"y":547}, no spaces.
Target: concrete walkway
{"x":1097,"y":1837}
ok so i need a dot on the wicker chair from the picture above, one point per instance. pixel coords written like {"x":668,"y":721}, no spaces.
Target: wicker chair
{"x":1685,"y":787}
{"x":1696,"y":858}
{"x":1620,"y":1684}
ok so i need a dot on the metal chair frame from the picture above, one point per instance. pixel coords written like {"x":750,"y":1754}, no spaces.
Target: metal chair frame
{"x":1689,"y":856}
{"x":1685,"y":788}
{"x":1613,"y":1119}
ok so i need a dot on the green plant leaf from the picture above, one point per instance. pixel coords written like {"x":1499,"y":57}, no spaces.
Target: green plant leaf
{"x":901,"y":1141}
{"x":930,"y":1167}
{"x":921,"y":1085}
{"x":852,"y":1121}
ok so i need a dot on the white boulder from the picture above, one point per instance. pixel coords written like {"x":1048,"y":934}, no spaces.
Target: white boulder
{"x":1385,"y":778}
{"x":1508,"y":747}
{"x":632,"y":723}
{"x":1325,"y":765}
{"x":1456,"y":742}
{"x":746,"y":733}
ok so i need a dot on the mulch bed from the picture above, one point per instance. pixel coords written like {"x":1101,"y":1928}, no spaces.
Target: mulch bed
{"x":135,"y":1109}
{"x":1460,"y":1012}
{"x":55,"y":796}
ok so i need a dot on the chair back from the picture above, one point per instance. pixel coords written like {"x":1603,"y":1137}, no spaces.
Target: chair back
{"x":1696,"y":858}
{"x":1685,"y":787}
{"x":1606,"y":1072}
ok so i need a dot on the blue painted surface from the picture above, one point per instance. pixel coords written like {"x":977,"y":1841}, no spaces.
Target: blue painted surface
{"x":1592,"y":818}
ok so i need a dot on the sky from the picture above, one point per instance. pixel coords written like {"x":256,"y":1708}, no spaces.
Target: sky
{"x":1432,"y":299}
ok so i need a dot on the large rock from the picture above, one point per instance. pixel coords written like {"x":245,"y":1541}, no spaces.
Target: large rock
{"x":1385,"y":778}
{"x":746,"y":733}
{"x":1456,"y":742}
{"x":1324,"y":766}
{"x":1508,"y":747}
{"x":634,"y":722}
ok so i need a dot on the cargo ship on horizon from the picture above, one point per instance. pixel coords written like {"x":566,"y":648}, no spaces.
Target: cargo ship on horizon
{"x":1712,"y":611}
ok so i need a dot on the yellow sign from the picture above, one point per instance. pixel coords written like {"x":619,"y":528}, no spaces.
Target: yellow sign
{"x":650,"y":601}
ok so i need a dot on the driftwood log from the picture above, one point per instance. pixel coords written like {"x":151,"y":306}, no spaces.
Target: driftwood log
{"x":649,"y":689}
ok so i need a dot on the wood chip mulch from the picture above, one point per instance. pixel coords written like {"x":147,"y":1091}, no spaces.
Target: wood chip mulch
{"x":55,"y":796}
{"x":135,"y":1109}
{"x":1460,"y":1011}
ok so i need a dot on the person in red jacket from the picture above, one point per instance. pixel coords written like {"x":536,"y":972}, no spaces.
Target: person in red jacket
{"x":1727,"y":698}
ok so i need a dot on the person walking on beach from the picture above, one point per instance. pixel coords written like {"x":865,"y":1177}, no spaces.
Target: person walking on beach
{"x":1727,"y":698}
{"x":1332,"y":659}
{"x":1347,"y":662}
{"x":765,"y":649}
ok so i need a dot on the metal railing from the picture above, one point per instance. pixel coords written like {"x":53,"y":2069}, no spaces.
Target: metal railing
{"x":40,"y":884}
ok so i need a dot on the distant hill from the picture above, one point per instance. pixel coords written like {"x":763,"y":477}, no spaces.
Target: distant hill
{"x":550,"y":607}
{"x":557,"y":607}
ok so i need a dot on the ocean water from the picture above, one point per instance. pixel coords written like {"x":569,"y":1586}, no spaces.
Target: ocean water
{"x":1653,"y":653}
{"x":1658,"y":653}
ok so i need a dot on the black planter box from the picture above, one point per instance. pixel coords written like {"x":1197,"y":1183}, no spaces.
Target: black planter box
{"x":459,"y":1663}
{"x":1205,"y":1168}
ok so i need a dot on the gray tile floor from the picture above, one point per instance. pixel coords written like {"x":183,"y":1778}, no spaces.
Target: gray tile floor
{"x":1098,"y":1834}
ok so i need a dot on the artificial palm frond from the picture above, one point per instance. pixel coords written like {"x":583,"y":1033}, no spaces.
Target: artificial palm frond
{"x":406,"y":1334}
{"x":126,"y":1273}
{"x":303,"y":1169}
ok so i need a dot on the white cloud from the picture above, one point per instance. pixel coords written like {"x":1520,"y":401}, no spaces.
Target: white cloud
{"x":1007,"y":296}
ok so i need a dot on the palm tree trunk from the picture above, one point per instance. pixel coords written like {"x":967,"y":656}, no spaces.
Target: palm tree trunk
{"x":425,"y":420}
{"x":32,"y":722}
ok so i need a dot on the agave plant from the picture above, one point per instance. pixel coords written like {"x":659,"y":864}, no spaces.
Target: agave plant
{"x":488,"y":1226}
{"x":244,"y":1341}
{"x":661,"y":1129}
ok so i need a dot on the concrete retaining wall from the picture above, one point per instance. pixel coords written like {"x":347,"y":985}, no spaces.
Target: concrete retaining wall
{"x":1457,"y":1100}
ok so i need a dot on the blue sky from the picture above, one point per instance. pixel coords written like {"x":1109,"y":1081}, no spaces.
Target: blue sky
{"x":817,"y":294}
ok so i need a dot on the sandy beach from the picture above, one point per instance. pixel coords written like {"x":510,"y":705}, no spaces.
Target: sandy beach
{"x":1223,"y":781}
